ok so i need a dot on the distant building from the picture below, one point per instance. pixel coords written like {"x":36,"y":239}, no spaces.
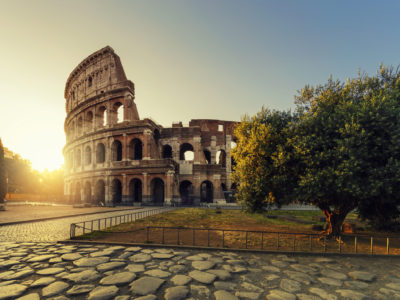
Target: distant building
{"x":114,"y":157}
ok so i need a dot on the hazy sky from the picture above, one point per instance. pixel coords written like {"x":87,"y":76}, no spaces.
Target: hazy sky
{"x":217,"y":59}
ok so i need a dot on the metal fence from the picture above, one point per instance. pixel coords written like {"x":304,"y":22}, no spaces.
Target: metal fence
{"x":268,"y":241}
{"x":81,"y":228}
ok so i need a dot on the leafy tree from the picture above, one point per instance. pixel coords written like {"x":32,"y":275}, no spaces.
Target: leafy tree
{"x":348,"y":144}
{"x":262,"y":169}
{"x":3,"y":180}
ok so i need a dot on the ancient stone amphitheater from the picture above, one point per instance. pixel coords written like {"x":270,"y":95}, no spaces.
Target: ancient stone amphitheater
{"x":115,"y":158}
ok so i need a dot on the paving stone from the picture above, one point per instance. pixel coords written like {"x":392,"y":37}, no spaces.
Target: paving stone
{"x":71,"y":256}
{"x":123,"y":297}
{"x":176,"y":293}
{"x":55,"y":260}
{"x":393,"y":286}
{"x":91,"y":261}
{"x":118,"y":279}
{"x":177,"y":269}
{"x":333,"y":274}
{"x":135,"y":268}
{"x":6,"y":274}
{"x":12,"y":291}
{"x":180,"y":279}
{"x":324,"y":260}
{"x":32,"y":296}
{"x":221,"y":274}
{"x":20,"y":274}
{"x":146,"y":285}
{"x":110,"y":266}
{"x":322,"y":293}
{"x":307,"y":297}
{"x":44,"y":281}
{"x":280,"y":295}
{"x":224,"y":295}
{"x":203,"y":265}
{"x":271,"y":277}
{"x":133,"y":249}
{"x":194,"y":257}
{"x":54,"y":288}
{"x":330,"y":281}
{"x":83,"y":276}
{"x":80,"y":289}
{"x":148,"y":297}
{"x":101,"y":253}
{"x":140,"y":258}
{"x":356,"y":284}
{"x":103,"y":292}
{"x":304,"y":269}
{"x":271,"y":269}
{"x":364,"y":276}
{"x":200,"y":290}
{"x":157,"y":273}
{"x":8,"y":282}
{"x":202,"y":277}
{"x":224,"y":285}
{"x":279,"y":264}
{"x":299,"y":276}
{"x":290,"y":286}
{"x":50,"y":271}
{"x":38,"y":258}
{"x":248,"y":295}
{"x":162,"y":255}
{"x":251,"y":287}
{"x":350,"y":294}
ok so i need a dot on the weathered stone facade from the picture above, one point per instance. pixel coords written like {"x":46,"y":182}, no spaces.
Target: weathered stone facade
{"x":114,"y":157}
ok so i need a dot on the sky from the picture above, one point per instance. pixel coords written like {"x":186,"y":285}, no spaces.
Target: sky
{"x":204,"y":59}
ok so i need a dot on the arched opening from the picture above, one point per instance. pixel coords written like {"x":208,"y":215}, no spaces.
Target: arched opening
{"x":90,"y":81}
{"x":78,"y":193}
{"x":79,"y":125}
{"x":100,"y":153}
{"x":206,"y":192}
{"x":186,"y":152}
{"x":89,"y":121}
{"x":157,"y":191}
{"x":100,"y":193}
{"x":135,"y":149}
{"x":88,"y":155}
{"x":87,"y":191}
{"x":135,"y":190}
{"x":186,"y":192}
{"x":221,"y":158}
{"x":116,"y":191}
{"x":156,"y":136}
{"x":207,"y":156}
{"x":167,"y":151}
{"x":78,"y":157}
{"x":225,"y":191}
{"x":101,"y":116}
{"x":119,"y":112}
{"x":116,"y":151}
{"x":72,"y":130}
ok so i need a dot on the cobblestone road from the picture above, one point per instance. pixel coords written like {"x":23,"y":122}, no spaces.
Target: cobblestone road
{"x":50,"y":231}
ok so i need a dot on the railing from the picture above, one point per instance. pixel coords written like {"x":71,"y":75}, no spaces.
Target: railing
{"x":81,"y":228}
{"x":268,"y":241}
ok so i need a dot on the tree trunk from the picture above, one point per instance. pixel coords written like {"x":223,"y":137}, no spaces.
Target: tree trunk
{"x":334,"y":221}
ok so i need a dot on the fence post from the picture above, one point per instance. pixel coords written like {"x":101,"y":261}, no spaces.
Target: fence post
{"x":372,"y":245}
{"x":340,"y":244}
{"x":84,"y":227}
{"x":387,"y":246}
{"x":208,"y":237}
{"x":194,"y":238}
{"x":223,"y":238}
{"x":91,"y":226}
{"x":98,"y":225}
{"x":310,"y":242}
{"x":324,"y":243}
{"x":355,"y":244}
{"x":277,"y":245}
{"x":262,"y":240}
{"x":178,"y":238}
{"x":72,"y":231}
{"x":147,"y":234}
{"x":163,"y":238}
{"x":246,"y":239}
{"x":294,"y":243}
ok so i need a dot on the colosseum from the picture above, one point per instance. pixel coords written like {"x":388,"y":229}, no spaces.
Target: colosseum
{"x":112,"y":157}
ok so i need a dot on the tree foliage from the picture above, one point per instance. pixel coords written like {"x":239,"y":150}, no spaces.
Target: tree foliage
{"x":3,"y":179}
{"x":341,"y":152}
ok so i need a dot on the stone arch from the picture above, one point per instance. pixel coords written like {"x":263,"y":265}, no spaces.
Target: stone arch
{"x":100,"y":153}
{"x":101,"y":116}
{"x":87,"y":192}
{"x":89,"y":121}
{"x":221,"y":158}
{"x":116,"y":151}
{"x":225,"y":192}
{"x":166,"y":151}
{"x":157,"y":191}
{"x":78,"y":157}
{"x":186,"y":192}
{"x":186,"y":152}
{"x":135,"y":190}
{"x":207,"y":156}
{"x":78,"y":193}
{"x":118,"y":112}
{"x":206,"y":192}
{"x":156,"y":135}
{"x":135,"y":149}
{"x":100,"y":192}
{"x":116,"y":191}
{"x":88,"y":155}
{"x":79,"y":125}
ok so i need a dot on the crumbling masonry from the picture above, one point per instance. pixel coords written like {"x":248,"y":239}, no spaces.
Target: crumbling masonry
{"x":114,"y":157}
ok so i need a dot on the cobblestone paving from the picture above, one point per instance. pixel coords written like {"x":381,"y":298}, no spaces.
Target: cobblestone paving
{"x":79,"y":271}
{"x":52,"y":230}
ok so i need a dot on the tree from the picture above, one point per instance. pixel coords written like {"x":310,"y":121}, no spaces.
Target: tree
{"x":262,"y":171}
{"x":348,"y":144}
{"x":3,"y":179}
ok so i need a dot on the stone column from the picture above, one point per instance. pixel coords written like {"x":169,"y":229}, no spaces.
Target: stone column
{"x":175,"y":149}
{"x":197,"y":150}
{"x":125,"y":189}
{"x":93,"y":155}
{"x":196,"y":190}
{"x":147,"y":144}
{"x":125,"y":148}
{"x":213,"y":149}
{"x":146,"y":197}
{"x":108,"y":198}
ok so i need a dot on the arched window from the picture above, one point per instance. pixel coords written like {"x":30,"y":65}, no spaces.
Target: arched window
{"x":116,"y":151}
{"x":87,"y":193}
{"x":156,"y":136}
{"x":186,"y":152}
{"x":116,"y":191}
{"x":100,"y":153}
{"x":101,"y":116}
{"x":88,"y":155}
{"x":167,"y":151}
{"x":90,"y":81}
{"x":207,"y":156}
{"x":135,"y":149}
{"x":100,"y":192}
{"x":186,"y":192}
{"x":89,"y":121}
{"x":118,"y":113}
{"x":206,"y":192}
{"x":157,"y":191}
{"x":80,"y":125}
{"x":221,"y":158}
{"x":78,"y":157}
{"x":135,"y":190}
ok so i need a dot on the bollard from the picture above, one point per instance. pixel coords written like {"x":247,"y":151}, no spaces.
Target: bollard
{"x":262,"y":240}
